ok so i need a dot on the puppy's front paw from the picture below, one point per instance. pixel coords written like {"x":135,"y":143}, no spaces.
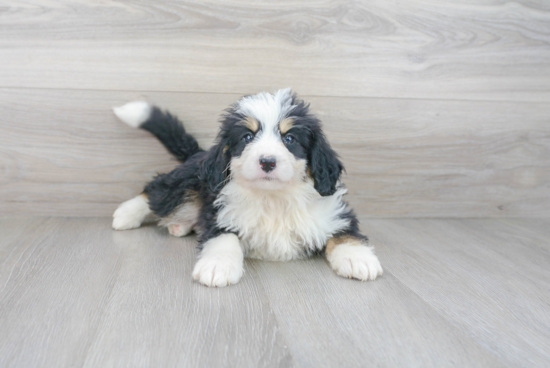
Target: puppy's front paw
{"x":355,"y":261}
{"x":221,"y":261}
{"x":216,"y":271}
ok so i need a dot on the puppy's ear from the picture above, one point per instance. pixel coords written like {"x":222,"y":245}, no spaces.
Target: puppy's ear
{"x":324,"y":165}
{"x":214,"y":169}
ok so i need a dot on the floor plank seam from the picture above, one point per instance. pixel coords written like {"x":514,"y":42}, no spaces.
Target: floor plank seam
{"x":451,"y":323}
{"x":266,"y":300}
{"x":103,"y":310}
{"x":305,"y":96}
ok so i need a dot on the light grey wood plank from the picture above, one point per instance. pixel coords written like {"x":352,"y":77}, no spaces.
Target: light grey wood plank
{"x":422,"y":158}
{"x":76,"y":293}
{"x":157,"y":316}
{"x":12,"y":228}
{"x":536,"y":230}
{"x":55,"y":280}
{"x":528,"y":248}
{"x":478,"y":281}
{"x":410,"y":49}
{"x":64,"y":153}
{"x":330,"y":321}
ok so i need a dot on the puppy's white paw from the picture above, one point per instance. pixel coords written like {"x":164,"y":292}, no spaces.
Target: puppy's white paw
{"x":221,"y":262}
{"x":179,"y":230}
{"x":130,"y":214}
{"x":355,"y":261}
{"x":212,"y":271}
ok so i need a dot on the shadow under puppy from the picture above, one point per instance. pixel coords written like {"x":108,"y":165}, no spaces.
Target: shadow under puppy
{"x":269,"y":189}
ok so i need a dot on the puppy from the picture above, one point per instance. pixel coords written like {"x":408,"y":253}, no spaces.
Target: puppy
{"x":269,"y":188}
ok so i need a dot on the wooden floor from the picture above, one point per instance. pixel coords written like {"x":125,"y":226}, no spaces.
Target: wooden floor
{"x":455,"y":293}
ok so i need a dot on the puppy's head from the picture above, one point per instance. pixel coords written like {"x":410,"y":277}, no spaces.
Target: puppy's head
{"x":271,"y":142}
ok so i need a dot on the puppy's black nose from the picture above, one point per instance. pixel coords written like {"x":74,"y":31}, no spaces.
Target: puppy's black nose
{"x":268,"y":163}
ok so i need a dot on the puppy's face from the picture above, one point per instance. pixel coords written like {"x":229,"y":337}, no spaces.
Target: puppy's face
{"x":271,"y":142}
{"x":270,"y":149}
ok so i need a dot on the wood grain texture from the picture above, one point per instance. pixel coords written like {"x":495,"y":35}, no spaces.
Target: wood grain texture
{"x":64,"y":153}
{"x":56,"y":279}
{"x":157,"y":315}
{"x":354,"y":324}
{"x":455,"y":293}
{"x":485,"y":278}
{"x":490,"y":50}
{"x":537,"y":228}
{"x":76,"y":293}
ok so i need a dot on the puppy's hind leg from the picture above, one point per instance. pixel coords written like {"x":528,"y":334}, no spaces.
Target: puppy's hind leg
{"x":184,"y":218}
{"x":131,"y":214}
{"x":180,"y":230}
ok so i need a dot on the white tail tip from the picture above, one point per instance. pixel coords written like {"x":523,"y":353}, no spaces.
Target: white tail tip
{"x":134,"y":113}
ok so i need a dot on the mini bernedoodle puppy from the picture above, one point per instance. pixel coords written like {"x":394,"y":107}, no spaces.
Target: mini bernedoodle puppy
{"x":269,"y":189}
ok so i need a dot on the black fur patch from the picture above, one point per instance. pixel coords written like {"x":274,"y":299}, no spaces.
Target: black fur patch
{"x":168,"y":191}
{"x":206,"y":173}
{"x":170,"y":131}
{"x":324,"y":164}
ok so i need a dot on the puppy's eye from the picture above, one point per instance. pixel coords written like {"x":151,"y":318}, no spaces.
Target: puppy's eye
{"x":288,"y":139}
{"x":247,"y":138}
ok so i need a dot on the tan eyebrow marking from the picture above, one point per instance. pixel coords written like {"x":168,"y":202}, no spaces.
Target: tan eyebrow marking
{"x":285,"y":125}
{"x":251,"y":123}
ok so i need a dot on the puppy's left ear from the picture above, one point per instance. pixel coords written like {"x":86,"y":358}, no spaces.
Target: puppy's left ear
{"x":324,"y":165}
{"x":214,"y":169}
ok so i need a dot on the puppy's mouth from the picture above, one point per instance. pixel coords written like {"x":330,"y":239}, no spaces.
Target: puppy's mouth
{"x":268,"y":178}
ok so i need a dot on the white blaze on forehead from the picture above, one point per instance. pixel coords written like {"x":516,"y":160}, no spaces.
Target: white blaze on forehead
{"x":269,"y":109}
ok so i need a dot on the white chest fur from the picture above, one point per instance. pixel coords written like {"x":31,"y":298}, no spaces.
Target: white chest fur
{"x":280,"y":225}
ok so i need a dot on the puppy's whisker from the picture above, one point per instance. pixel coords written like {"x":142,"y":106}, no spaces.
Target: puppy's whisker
{"x":226,"y":180}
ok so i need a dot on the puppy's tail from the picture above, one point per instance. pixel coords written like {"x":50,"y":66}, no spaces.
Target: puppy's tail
{"x":166,"y":127}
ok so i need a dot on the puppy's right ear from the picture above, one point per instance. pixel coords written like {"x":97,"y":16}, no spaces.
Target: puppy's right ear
{"x":215,"y":168}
